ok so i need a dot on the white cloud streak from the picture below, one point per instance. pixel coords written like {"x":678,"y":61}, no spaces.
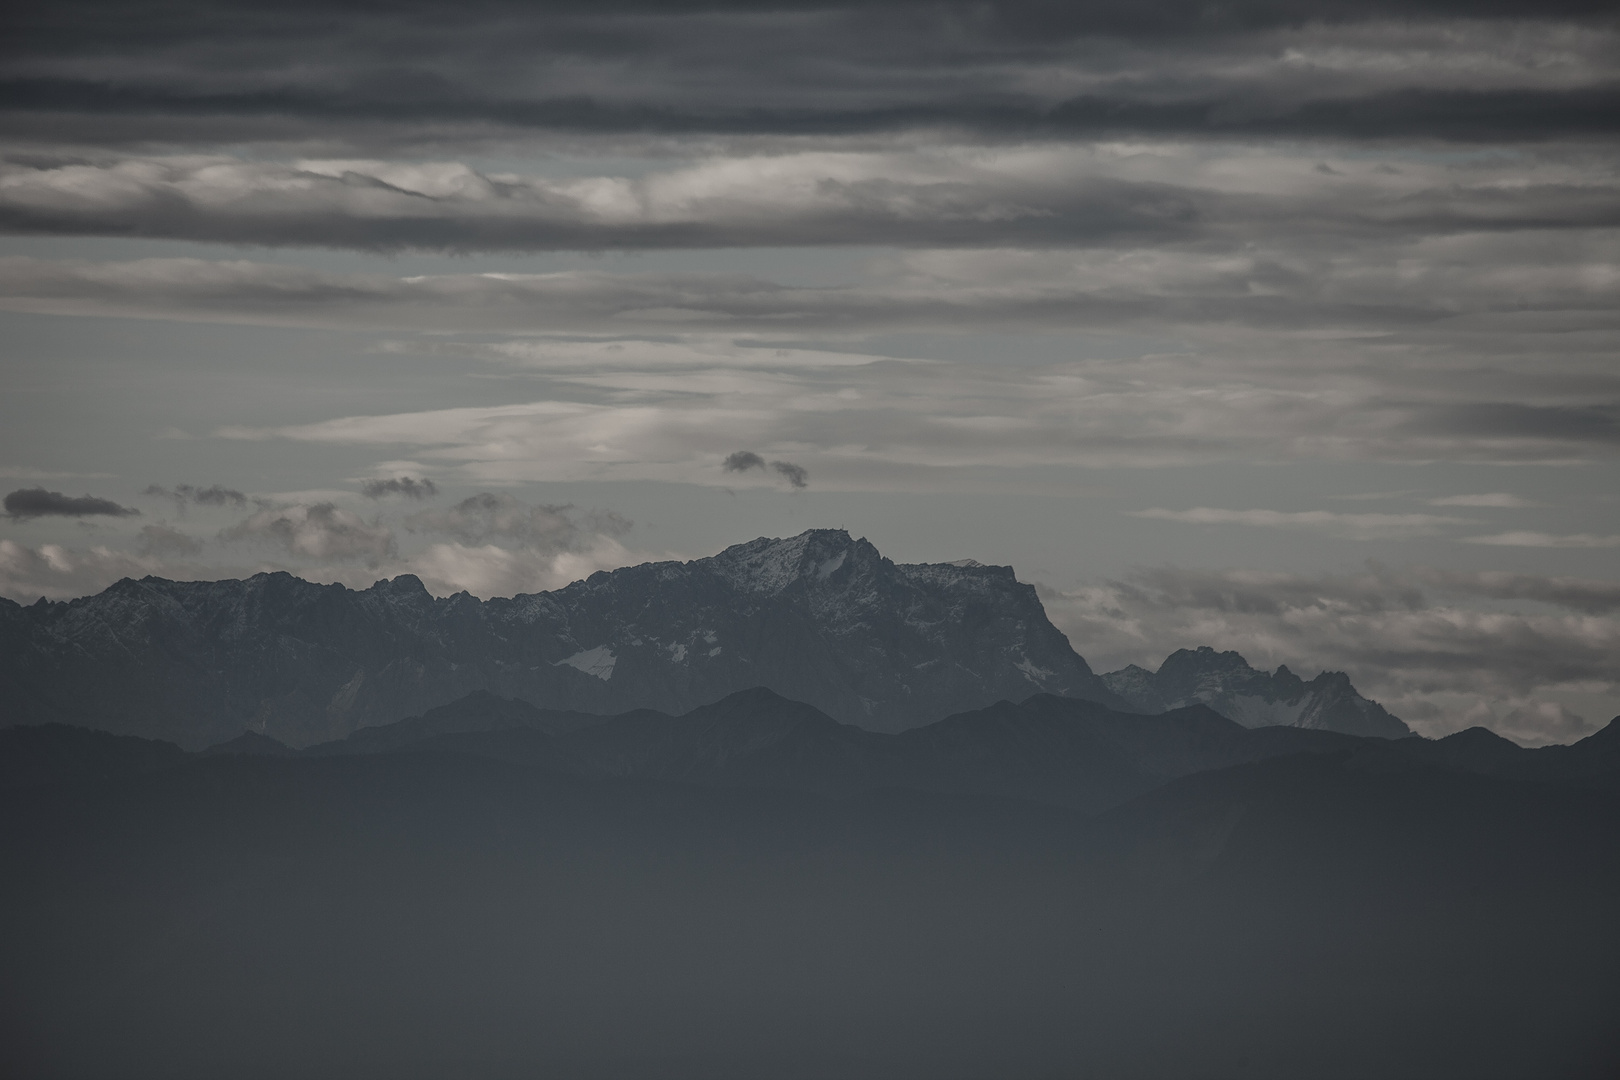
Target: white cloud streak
{"x":1498,"y":500}
{"x":1526,"y":538}
{"x":1353,"y":526}
{"x":1034,"y":195}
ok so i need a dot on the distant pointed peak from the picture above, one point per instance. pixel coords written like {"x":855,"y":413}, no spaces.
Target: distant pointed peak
{"x":1477,"y":735}
{"x":252,"y":744}
{"x":753,"y":694}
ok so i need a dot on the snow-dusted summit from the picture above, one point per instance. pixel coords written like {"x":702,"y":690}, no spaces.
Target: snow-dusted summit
{"x":1226,"y":683}
{"x":821,"y":618}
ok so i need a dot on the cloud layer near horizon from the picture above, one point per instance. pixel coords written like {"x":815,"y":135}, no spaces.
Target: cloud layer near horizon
{"x":1416,"y":639}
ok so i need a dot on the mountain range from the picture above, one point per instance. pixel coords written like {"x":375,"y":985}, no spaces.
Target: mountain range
{"x":1226,"y":683}
{"x":793,"y":810}
{"x":821,"y":618}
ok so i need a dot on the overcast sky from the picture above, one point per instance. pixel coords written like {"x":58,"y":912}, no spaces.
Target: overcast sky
{"x":1283,"y":327}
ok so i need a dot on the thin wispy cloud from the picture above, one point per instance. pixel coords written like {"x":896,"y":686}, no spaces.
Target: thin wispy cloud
{"x":1531,"y":539}
{"x":1353,"y":526}
{"x":1499,"y":500}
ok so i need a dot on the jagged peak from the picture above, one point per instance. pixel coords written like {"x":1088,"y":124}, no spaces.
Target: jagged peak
{"x":403,"y":585}
{"x":1205,"y":658}
{"x":771,"y":564}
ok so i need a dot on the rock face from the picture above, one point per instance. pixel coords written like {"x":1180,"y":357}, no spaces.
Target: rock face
{"x":821,"y":618}
{"x":1226,"y":683}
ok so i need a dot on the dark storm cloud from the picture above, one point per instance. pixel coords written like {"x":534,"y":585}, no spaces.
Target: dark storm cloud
{"x":37,"y":502}
{"x":119,"y":74}
{"x":407,"y":486}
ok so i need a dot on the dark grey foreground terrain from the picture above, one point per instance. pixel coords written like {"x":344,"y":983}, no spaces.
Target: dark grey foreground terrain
{"x":1043,"y":890}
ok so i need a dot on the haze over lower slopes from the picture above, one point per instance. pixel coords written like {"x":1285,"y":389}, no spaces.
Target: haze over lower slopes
{"x":1283,"y":328}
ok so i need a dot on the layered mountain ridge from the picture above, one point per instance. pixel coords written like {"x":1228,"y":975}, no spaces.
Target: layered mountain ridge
{"x":1226,"y":682}
{"x":1055,"y":751}
{"x":820,"y":617}
{"x":491,"y":888}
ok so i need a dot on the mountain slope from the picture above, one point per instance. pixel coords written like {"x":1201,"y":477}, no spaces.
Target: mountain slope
{"x":819,"y":617}
{"x":1226,"y":683}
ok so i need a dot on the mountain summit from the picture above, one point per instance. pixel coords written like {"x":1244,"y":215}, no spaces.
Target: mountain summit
{"x":820,"y":617}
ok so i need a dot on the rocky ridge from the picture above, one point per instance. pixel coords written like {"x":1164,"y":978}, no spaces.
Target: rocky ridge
{"x":1226,"y":682}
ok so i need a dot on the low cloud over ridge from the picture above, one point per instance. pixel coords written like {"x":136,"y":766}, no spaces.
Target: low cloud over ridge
{"x":318,"y":531}
{"x":1426,"y":642}
{"x":399,"y":485}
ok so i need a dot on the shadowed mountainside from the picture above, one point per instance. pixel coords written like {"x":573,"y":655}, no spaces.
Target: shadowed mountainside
{"x":685,"y":903}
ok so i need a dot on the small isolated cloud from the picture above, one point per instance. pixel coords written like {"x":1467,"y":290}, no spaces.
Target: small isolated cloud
{"x":1546,"y":540}
{"x":484,"y":517}
{"x":1351,"y":526}
{"x":321,"y":531}
{"x":162,"y":540}
{"x":742,"y":461}
{"x":1499,"y":500}
{"x":37,"y":502}
{"x":214,"y":495}
{"x":795,"y":475}
{"x":400,"y":485}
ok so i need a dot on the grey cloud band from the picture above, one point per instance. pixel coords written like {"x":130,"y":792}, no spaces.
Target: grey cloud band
{"x":119,"y":73}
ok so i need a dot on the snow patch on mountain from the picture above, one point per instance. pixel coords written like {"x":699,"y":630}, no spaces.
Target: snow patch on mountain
{"x":828,"y":566}
{"x":598,"y":661}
